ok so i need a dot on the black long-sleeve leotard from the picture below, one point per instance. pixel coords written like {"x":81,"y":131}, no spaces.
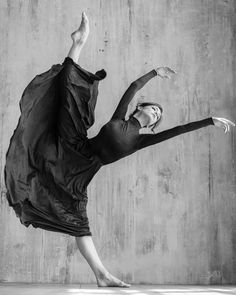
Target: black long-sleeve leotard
{"x":119,"y":137}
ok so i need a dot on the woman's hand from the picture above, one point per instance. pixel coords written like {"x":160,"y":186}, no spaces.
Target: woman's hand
{"x":165,"y":72}
{"x":222,"y":122}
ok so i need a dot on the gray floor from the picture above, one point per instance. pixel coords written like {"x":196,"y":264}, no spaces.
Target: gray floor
{"x":49,"y":289}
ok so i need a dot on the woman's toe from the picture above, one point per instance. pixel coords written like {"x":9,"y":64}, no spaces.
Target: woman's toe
{"x":123,"y":284}
{"x":84,"y":17}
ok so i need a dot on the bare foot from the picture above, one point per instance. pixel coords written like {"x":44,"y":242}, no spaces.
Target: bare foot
{"x":109,"y":280}
{"x":81,"y":35}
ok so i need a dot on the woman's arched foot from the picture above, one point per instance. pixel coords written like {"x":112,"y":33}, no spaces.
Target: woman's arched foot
{"x":109,"y":280}
{"x":80,"y":36}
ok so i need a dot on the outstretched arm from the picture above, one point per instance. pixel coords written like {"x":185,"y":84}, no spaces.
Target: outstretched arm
{"x":163,"y":72}
{"x":122,"y":107}
{"x":150,"y":139}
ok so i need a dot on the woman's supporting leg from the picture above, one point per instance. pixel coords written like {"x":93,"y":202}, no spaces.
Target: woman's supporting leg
{"x":103,"y":277}
{"x":79,"y":38}
{"x":85,"y":243}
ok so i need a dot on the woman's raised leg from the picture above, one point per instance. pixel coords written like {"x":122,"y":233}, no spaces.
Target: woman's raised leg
{"x":85,"y":243}
{"x":103,"y":277}
{"x":79,"y":38}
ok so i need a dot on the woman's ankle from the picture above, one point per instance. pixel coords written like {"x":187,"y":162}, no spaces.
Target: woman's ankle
{"x":78,"y":43}
{"x":102,"y":274}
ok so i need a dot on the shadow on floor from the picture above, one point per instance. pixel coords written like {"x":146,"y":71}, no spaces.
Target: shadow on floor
{"x":50,"y":289}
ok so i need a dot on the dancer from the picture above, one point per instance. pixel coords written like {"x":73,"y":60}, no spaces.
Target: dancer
{"x":50,"y":160}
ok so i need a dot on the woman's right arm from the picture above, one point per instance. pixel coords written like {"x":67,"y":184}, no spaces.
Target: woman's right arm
{"x":163,"y":72}
{"x":122,"y":107}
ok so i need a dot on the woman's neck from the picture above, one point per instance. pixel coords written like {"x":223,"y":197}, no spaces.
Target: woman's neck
{"x":140,"y":119}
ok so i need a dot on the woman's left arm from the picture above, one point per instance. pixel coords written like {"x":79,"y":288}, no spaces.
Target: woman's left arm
{"x":150,"y":139}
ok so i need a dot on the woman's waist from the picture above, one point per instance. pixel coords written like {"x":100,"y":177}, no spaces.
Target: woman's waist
{"x":108,"y":152}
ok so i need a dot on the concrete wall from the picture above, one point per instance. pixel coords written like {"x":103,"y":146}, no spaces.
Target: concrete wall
{"x":167,"y":213}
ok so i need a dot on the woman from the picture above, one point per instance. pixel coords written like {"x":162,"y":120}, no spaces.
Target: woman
{"x":50,"y":161}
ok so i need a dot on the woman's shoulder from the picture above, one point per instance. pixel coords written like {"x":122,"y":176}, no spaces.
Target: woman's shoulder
{"x":113,"y":126}
{"x":117,"y":122}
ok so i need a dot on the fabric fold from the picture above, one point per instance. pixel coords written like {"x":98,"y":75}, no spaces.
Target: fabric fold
{"x":47,"y":173}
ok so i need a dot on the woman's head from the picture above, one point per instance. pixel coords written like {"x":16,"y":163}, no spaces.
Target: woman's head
{"x":150,"y":113}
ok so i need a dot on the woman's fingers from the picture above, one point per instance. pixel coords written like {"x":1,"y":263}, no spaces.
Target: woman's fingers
{"x":226,"y":128}
{"x":171,"y":70}
{"x":164,"y":72}
{"x":227,"y":124}
{"x":228,"y":121}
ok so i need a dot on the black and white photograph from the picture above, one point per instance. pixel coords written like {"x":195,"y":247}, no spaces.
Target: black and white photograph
{"x":118,"y":147}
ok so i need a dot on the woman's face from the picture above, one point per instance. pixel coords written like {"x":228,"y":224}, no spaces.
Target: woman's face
{"x":151,"y":114}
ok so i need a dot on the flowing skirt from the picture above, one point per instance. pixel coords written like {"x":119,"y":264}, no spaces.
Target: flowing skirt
{"x":49,"y":163}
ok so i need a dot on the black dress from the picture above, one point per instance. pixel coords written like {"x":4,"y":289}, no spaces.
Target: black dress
{"x":50,"y":160}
